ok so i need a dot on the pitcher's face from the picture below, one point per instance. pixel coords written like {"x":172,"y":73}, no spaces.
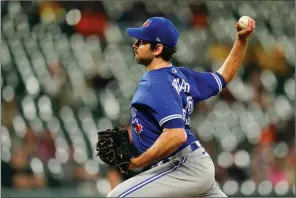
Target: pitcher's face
{"x":143,"y":52}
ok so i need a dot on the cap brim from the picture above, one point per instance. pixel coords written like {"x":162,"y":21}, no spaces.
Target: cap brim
{"x":136,"y":33}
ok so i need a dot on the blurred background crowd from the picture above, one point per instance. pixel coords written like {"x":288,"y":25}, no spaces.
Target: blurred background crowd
{"x":68,"y":71}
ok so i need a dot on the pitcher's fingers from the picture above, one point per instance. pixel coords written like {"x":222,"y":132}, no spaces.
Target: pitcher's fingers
{"x":238,"y":27}
{"x":254,"y":24}
{"x":243,"y":32}
{"x":250,"y":24}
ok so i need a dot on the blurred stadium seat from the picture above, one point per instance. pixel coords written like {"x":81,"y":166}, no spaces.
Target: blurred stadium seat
{"x":68,"y":71}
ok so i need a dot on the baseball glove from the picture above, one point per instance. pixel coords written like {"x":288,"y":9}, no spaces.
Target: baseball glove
{"x":112,"y":148}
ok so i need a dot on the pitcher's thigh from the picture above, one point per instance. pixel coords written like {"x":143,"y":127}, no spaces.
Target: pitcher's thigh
{"x":165,"y":183}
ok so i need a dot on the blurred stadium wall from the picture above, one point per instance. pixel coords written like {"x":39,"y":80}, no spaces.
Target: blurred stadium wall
{"x":68,"y":71}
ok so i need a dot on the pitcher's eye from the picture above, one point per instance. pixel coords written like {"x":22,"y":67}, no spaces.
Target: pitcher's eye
{"x":141,"y":42}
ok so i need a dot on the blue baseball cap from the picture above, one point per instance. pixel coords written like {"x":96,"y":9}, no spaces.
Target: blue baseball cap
{"x":156,"y":29}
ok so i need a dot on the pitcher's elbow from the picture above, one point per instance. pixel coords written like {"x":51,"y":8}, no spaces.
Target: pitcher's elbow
{"x":183,"y":137}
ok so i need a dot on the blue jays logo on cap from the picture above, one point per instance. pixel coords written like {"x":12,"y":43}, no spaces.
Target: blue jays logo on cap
{"x":147,"y":23}
{"x":156,"y":29}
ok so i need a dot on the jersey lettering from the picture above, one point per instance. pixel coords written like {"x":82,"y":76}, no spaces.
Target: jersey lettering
{"x":188,"y":110}
{"x":181,"y":85}
{"x":189,"y":106}
{"x":133,"y":112}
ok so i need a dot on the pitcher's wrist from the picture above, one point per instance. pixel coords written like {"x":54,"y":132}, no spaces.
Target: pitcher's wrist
{"x":133,"y":165}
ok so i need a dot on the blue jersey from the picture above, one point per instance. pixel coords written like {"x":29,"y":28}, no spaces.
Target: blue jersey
{"x":165,"y":98}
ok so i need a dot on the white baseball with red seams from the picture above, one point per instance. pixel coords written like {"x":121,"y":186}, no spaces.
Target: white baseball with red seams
{"x":243,"y":21}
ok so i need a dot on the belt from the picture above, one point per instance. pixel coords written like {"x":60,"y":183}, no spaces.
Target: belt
{"x":188,"y":149}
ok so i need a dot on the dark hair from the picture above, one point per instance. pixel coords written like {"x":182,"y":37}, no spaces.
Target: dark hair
{"x":167,"y":52}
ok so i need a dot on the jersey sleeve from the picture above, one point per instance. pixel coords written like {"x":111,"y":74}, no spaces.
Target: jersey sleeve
{"x":165,"y":105}
{"x":207,"y":84}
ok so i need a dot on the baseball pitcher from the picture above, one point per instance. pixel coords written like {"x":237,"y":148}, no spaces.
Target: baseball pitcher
{"x":160,"y":118}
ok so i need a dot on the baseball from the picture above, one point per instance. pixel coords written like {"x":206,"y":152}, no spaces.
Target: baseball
{"x":243,"y":21}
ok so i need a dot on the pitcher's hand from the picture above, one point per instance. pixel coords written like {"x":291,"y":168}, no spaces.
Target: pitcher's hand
{"x":243,"y":34}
